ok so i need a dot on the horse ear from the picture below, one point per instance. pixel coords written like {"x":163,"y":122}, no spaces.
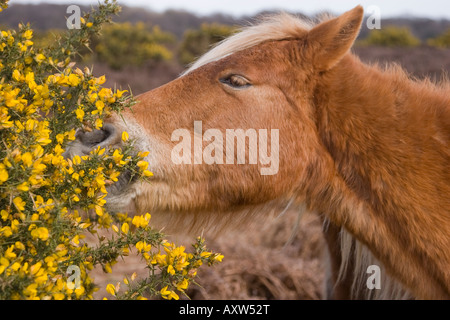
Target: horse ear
{"x":330,"y":40}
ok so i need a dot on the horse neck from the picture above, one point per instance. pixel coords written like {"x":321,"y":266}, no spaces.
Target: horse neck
{"x":390,"y":176}
{"x":384,"y":131}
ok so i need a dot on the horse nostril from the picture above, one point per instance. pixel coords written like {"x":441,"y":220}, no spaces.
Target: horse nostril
{"x":86,"y":141}
{"x":102,"y":137}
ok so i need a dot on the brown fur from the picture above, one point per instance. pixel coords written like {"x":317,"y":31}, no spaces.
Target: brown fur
{"x":367,"y":148}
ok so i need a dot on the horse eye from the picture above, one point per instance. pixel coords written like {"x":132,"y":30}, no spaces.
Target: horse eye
{"x":236,"y":81}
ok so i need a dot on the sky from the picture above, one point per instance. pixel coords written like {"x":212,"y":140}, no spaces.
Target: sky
{"x":435,"y":9}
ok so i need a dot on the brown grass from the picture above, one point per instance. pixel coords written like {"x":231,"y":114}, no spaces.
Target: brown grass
{"x":267,"y":260}
{"x":265,"y":265}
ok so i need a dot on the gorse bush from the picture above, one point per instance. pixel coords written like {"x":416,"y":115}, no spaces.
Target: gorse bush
{"x":391,"y":36}
{"x":48,"y":203}
{"x":197,"y":41}
{"x":124,"y":44}
{"x":442,"y":41}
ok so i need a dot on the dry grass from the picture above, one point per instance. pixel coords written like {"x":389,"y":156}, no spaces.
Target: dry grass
{"x":267,"y":261}
{"x":265,"y":265}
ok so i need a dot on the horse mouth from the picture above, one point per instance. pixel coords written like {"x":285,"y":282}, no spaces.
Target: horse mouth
{"x":108,"y":137}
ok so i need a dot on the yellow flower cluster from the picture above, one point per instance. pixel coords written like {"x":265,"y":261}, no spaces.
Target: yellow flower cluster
{"x":176,"y":266}
{"x":49,"y":202}
{"x":3,"y":5}
{"x":41,"y":192}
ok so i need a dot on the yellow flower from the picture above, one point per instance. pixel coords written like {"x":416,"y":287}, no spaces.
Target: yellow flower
{"x":73,"y":80}
{"x":76,"y":160}
{"x":98,"y":124}
{"x":16,"y":75}
{"x":140,"y":246}
{"x":4,"y":261}
{"x":89,"y":24}
{"x":4,"y":214}
{"x":143,"y":165}
{"x":15,"y":266}
{"x":101,"y":80}
{"x":40,"y":233}
{"x":183,"y":285}
{"x":9,"y":254}
{"x":111,"y":289}
{"x":92,"y":97}
{"x":143,"y":246}
{"x":142,"y":154}
{"x":6,"y":231}
{"x":38,"y":167}
{"x":27,"y":159}
{"x":19,"y":203}
{"x":125,"y":228}
{"x":58,"y":296}
{"x":31,"y":290}
{"x":119,"y":93}
{"x":75,"y":240}
{"x":168,"y":294}
{"x":173,"y":295}
{"x":23,"y":187}
{"x":159,"y":259}
{"x":15,"y":223}
{"x":30,"y":124}
{"x":170,"y":270}
{"x":3,"y":173}
{"x":79,"y":113}
{"x":28,"y":34}
{"x":108,"y":268}
{"x":99,"y":151}
{"x":117,"y":157}
{"x":205,"y":254}
{"x":99,"y":210}
{"x":141,"y":221}
{"x":71,"y":134}
{"x":164,"y":291}
{"x":105,"y":93}
{"x":125,"y":136}
{"x":60,"y":138}
{"x":85,"y":225}
{"x":29,"y":78}
{"x":99,"y":105}
{"x":34,"y":269}
{"x":147,"y":173}
{"x":39,"y":58}
{"x":218,"y":257}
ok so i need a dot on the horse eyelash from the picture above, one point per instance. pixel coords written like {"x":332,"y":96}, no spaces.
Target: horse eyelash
{"x":228,"y":81}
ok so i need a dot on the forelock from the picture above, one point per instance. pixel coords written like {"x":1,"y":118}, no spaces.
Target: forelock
{"x":280,"y":26}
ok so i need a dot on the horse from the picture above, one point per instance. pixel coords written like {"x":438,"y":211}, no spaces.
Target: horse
{"x":365,"y":147}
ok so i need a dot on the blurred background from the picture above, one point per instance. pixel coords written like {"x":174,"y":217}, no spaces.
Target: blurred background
{"x":152,"y":42}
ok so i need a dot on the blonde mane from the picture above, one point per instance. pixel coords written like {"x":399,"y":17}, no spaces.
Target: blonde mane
{"x":274,"y":27}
